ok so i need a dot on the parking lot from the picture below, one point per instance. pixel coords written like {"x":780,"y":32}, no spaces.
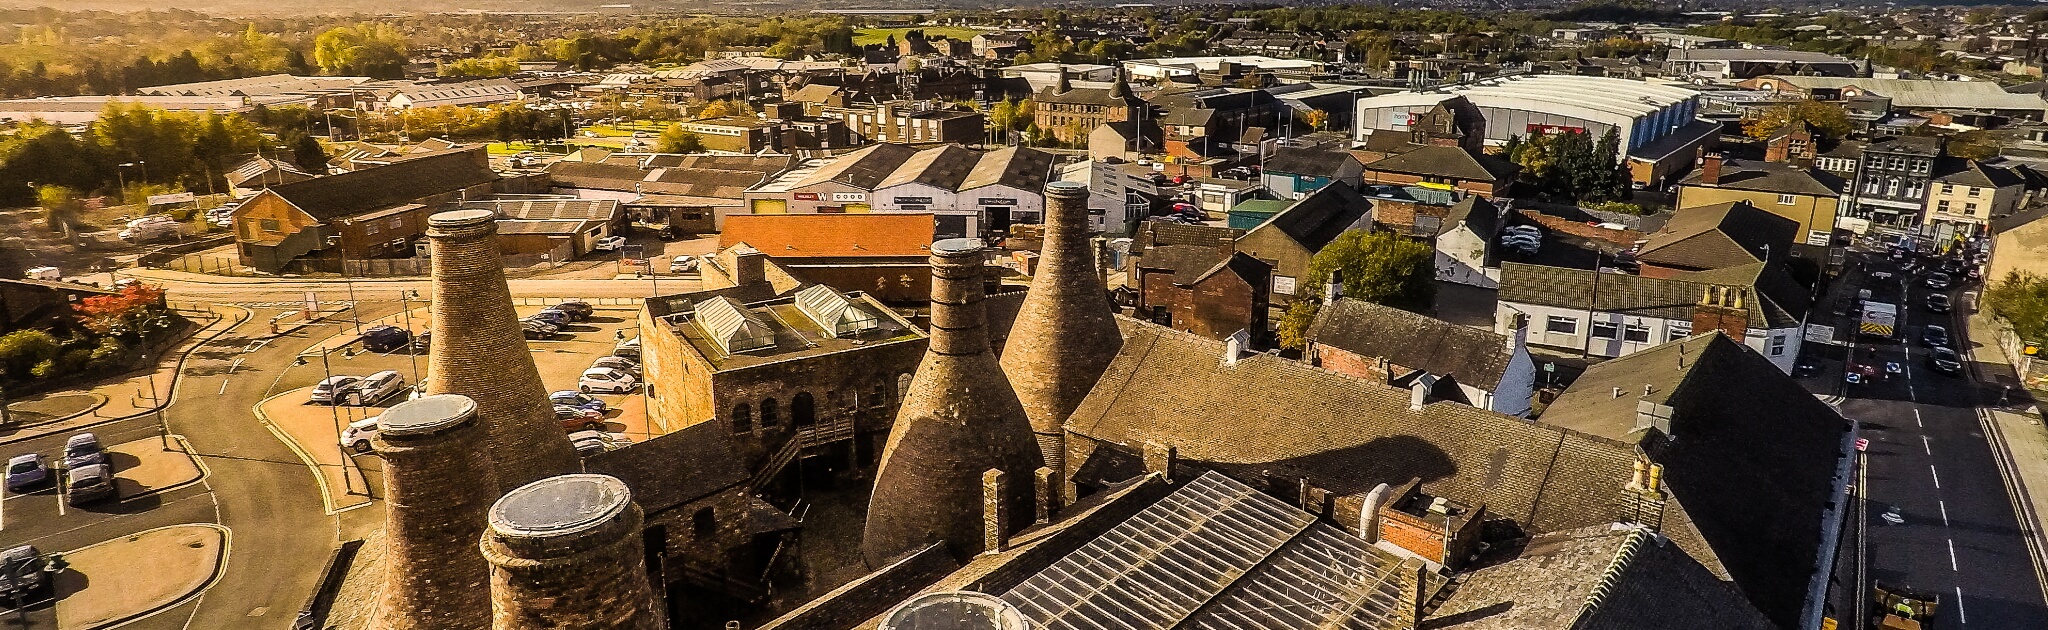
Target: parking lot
{"x":314,"y":430}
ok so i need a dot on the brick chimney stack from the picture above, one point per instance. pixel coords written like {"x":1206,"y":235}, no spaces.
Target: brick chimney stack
{"x":567,"y":552}
{"x":1710,"y":168}
{"x":959,"y":419}
{"x":1065,"y":335}
{"x":480,"y":351}
{"x":433,"y":577}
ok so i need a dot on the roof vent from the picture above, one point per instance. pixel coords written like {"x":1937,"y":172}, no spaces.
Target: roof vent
{"x":834,"y":313}
{"x":957,"y":610}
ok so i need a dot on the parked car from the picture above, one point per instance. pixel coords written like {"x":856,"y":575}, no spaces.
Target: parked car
{"x":385,"y":338}
{"x":1939,"y":281}
{"x":629,"y":366}
{"x":592,"y":442}
{"x":26,"y":471}
{"x":83,"y":450}
{"x":1938,"y":302}
{"x":609,"y":244}
{"x":577,"y":399}
{"x":577,"y":311}
{"x":88,"y":484}
{"x":553,"y":317}
{"x":24,"y":565}
{"x":331,"y":389}
{"x":629,"y":348}
{"x":577,"y":418}
{"x":606,"y":380}
{"x":423,"y":341}
{"x":51,"y":274}
{"x":682,"y":264}
{"x":357,"y":436}
{"x":375,"y":388}
{"x":1933,"y":336}
{"x":1523,"y":230}
{"x":1945,"y":361}
{"x":535,"y":329}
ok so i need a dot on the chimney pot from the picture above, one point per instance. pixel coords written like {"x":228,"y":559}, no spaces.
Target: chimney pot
{"x":1418,"y":395}
{"x":568,"y":552}
{"x":1159,"y":459}
{"x":1710,"y":168}
{"x":994,"y":512}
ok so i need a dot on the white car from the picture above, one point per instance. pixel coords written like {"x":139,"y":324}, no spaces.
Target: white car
{"x":606,"y":380}
{"x":375,"y":388}
{"x":623,"y":364}
{"x":357,"y":436}
{"x":682,"y":264}
{"x":331,"y":389}
{"x":610,"y":243}
{"x":1524,"y":230}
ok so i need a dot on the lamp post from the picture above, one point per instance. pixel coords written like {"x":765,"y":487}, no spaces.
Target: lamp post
{"x":405,"y":298}
{"x":334,"y":404}
{"x":163,"y":427}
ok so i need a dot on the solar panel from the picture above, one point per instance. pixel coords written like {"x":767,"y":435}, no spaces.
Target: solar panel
{"x":1155,"y":569}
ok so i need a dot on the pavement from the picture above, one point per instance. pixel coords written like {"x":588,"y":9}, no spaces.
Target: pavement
{"x":1934,"y":511}
{"x":134,"y":575}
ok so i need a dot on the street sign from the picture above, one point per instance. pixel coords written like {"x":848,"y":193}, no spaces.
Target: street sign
{"x":1820,"y":334}
{"x":1862,"y":444}
{"x":158,"y":200}
{"x":1549,"y":367}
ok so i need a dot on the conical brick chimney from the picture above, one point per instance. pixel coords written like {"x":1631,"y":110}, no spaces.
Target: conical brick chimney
{"x":434,"y":578}
{"x":959,"y":420}
{"x":479,"y":351}
{"x":567,"y":552}
{"x":1065,"y":334}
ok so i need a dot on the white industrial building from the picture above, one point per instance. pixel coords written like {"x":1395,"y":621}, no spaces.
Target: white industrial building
{"x":1523,"y":105}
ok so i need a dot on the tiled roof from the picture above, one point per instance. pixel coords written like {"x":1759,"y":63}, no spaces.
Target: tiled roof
{"x":1783,"y":302}
{"x":1317,"y":219}
{"x":1471,"y":356}
{"x":1022,"y":168}
{"x":863,"y":169}
{"x":1475,"y":212}
{"x":1453,"y":162}
{"x":1720,"y":235}
{"x":1602,"y":576}
{"x":676,"y":468}
{"x":941,"y":167}
{"x":347,"y":194}
{"x":1981,"y":175}
{"x":1772,"y":177}
{"x":831,"y":235}
{"x":1753,"y":453}
{"x":1321,"y":162}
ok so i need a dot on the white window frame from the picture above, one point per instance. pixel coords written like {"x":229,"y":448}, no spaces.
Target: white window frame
{"x":1629,"y":333}
{"x":1785,"y":199}
{"x":1613,"y":330}
{"x":1561,"y":325}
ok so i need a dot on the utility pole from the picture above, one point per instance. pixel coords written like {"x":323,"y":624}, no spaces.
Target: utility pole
{"x":1592,"y":303}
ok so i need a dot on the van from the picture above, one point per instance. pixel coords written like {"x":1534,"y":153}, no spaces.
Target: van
{"x":45,"y":273}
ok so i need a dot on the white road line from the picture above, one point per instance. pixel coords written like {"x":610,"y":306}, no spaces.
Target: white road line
{"x":1937,"y":476}
{"x":1925,"y":446}
{"x":1960,"y":614}
{"x":224,"y":389}
{"x":1952,"y":555}
{"x":1916,"y":418}
{"x":1944,"y":512}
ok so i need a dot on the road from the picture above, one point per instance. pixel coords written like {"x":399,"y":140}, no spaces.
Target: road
{"x":1956,"y":534}
{"x":195,"y":287}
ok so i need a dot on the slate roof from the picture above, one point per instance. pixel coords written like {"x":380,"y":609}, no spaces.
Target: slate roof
{"x":1317,"y":219}
{"x":1754,"y":453}
{"x":549,"y":209}
{"x":1720,"y":235}
{"x":679,"y":180}
{"x":831,"y":235}
{"x":1469,"y":355}
{"x":1274,"y":419}
{"x":1452,"y":162}
{"x":1772,"y":177}
{"x":1981,"y":175}
{"x":675,"y":468}
{"x":942,"y":167}
{"x":863,"y":169}
{"x":1022,"y":168}
{"x":1475,"y":212}
{"x":1783,"y":302}
{"x":1596,"y":577}
{"x":348,"y":194}
{"x":1317,"y":162}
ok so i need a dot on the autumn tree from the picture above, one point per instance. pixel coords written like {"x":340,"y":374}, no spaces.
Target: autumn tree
{"x":1377,"y":267}
{"x":1827,"y":118}
{"x":2022,"y":299}
{"x":675,"y":139}
{"x":1317,"y":119}
{"x":370,"y":49}
{"x":126,"y":313}
{"x":61,"y":207}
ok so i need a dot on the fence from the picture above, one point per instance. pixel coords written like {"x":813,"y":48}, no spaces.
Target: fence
{"x":385,"y":267}
{"x":216,"y":263}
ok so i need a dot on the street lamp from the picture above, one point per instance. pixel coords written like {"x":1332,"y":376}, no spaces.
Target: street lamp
{"x":121,"y":175}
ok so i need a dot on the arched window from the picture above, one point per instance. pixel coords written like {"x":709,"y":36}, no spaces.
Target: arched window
{"x":902,"y":385}
{"x":802,"y":411}
{"x":742,"y":418}
{"x":768,"y":418}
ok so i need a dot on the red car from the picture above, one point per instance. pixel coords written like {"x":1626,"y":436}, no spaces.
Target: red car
{"x":579,"y":419}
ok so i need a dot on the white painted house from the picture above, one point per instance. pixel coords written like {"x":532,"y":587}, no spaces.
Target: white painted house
{"x":1614,"y":314}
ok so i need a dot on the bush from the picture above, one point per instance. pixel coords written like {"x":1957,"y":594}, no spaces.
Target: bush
{"x":22,"y":351}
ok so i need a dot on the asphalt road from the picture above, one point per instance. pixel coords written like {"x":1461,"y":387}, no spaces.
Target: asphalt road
{"x":242,"y":291}
{"x":1957,"y":535}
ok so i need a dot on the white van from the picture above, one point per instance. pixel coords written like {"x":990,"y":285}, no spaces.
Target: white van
{"x":45,"y":273}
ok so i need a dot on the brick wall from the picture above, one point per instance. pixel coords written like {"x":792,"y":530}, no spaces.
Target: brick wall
{"x":594,"y":578}
{"x":1346,"y":362}
{"x":1412,"y":533}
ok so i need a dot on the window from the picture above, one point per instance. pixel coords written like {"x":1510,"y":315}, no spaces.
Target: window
{"x":1973,"y":191}
{"x":1561,"y":325}
{"x":369,"y":228}
{"x":1941,"y":206}
{"x":1970,"y":208}
{"x":768,"y":418}
{"x":742,"y":418}
{"x":1785,"y":200}
{"x":1636,"y":333}
{"x":1951,"y":188}
{"x":397,"y":222}
{"x":1606,"y":330}
{"x":1679,"y":330}
{"x":272,"y":225}
{"x":703,"y":522}
{"x":1778,"y":345}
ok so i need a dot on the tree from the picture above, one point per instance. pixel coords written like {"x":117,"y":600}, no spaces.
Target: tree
{"x":126,"y":313}
{"x":1827,"y":118}
{"x":1377,"y":267}
{"x":306,"y":153}
{"x":372,"y":49}
{"x":22,"y":350}
{"x":2022,"y":299}
{"x":1317,"y":119}
{"x":724,"y":107}
{"x":61,"y":207}
{"x":677,"y":140}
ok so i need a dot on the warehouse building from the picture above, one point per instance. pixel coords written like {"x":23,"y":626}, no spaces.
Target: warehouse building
{"x":1658,"y":125}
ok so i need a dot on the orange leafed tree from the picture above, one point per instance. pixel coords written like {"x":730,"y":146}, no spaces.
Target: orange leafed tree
{"x":120,"y":312}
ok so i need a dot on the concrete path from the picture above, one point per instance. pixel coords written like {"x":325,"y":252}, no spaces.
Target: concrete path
{"x":145,"y":466}
{"x":131,"y":576}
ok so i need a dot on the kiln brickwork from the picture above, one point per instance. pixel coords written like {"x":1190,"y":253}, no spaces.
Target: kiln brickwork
{"x":959,"y":419}
{"x":480,"y":352}
{"x":433,"y":577}
{"x":1065,"y":335}
{"x":567,"y":552}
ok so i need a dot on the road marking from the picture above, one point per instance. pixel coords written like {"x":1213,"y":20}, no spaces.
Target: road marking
{"x":1925,"y":446}
{"x":224,"y":389}
{"x":1944,"y":512}
{"x":1916,"y":418}
{"x":1937,"y":476}
{"x":1952,"y":555}
{"x":1960,"y":614}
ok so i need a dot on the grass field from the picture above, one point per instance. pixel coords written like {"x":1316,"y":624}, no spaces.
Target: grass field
{"x":867,"y":36}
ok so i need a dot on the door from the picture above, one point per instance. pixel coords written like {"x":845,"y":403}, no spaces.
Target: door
{"x":858,"y":208}
{"x":770,"y":206}
{"x":998,"y":218}
{"x":950,"y":226}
